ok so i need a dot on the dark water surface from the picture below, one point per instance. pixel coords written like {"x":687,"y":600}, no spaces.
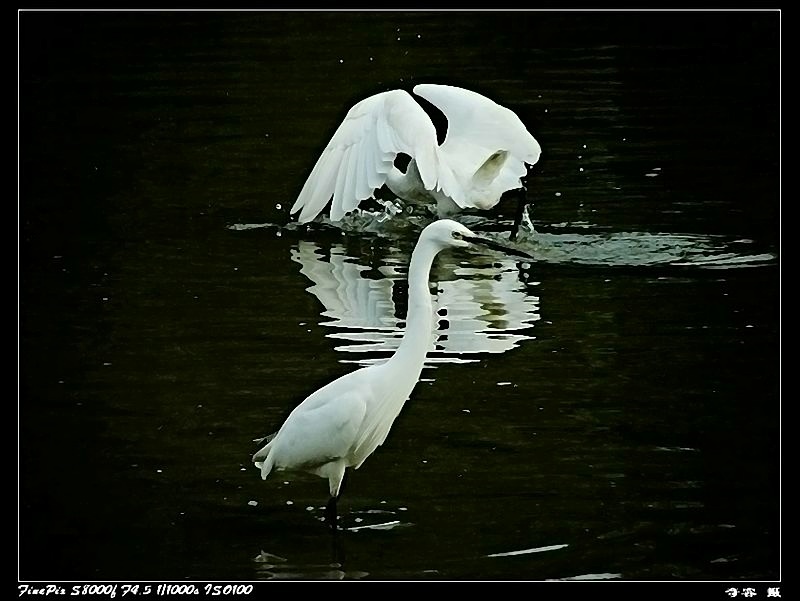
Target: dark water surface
{"x":609,"y":410}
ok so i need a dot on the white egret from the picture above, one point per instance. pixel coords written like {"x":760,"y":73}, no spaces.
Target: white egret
{"x":484,"y":154}
{"x":342,"y":423}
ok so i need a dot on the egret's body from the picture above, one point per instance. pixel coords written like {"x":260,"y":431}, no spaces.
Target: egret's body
{"x":484,"y":154}
{"x":342,"y":423}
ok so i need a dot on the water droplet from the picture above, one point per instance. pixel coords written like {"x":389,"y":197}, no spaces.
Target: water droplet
{"x":290,"y":502}
{"x":278,"y":206}
{"x":252,"y":503}
{"x":558,"y":193}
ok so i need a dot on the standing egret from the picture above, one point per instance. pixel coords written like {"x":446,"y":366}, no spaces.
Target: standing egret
{"x":484,"y":154}
{"x":342,"y":423}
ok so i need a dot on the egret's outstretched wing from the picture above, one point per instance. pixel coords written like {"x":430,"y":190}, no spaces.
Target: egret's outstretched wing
{"x":475,"y":119}
{"x":476,"y":128}
{"x":362,"y":151}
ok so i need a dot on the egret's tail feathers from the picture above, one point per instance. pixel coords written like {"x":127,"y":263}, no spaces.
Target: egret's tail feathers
{"x":265,"y":467}
{"x":265,"y":439}
{"x":263,"y":461}
{"x":261,"y":454}
{"x":261,"y":457}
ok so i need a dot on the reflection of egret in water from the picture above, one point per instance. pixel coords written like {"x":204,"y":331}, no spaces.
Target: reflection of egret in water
{"x":483,"y":308}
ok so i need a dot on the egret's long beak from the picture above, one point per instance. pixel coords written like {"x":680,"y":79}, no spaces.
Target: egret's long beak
{"x":497,"y":246}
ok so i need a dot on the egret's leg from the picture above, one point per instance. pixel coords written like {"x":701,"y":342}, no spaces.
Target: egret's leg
{"x":331,"y":515}
{"x":336,"y":475}
{"x":522,"y":202}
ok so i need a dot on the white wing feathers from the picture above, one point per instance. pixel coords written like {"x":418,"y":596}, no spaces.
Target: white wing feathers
{"x":477,"y":127}
{"x":362,"y":152}
{"x":321,"y":429}
{"x":473,"y":119}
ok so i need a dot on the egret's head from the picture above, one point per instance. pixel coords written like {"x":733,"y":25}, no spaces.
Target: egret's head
{"x":448,"y":233}
{"x":457,"y":234}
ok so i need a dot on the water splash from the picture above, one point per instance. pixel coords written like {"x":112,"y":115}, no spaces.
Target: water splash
{"x":636,"y":249}
{"x":578,"y":245}
{"x":641,"y":249}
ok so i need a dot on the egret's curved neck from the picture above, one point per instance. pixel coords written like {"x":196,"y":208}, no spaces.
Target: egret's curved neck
{"x":418,"y":336}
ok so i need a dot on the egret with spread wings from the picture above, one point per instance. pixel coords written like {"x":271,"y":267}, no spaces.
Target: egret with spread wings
{"x":485,"y":153}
